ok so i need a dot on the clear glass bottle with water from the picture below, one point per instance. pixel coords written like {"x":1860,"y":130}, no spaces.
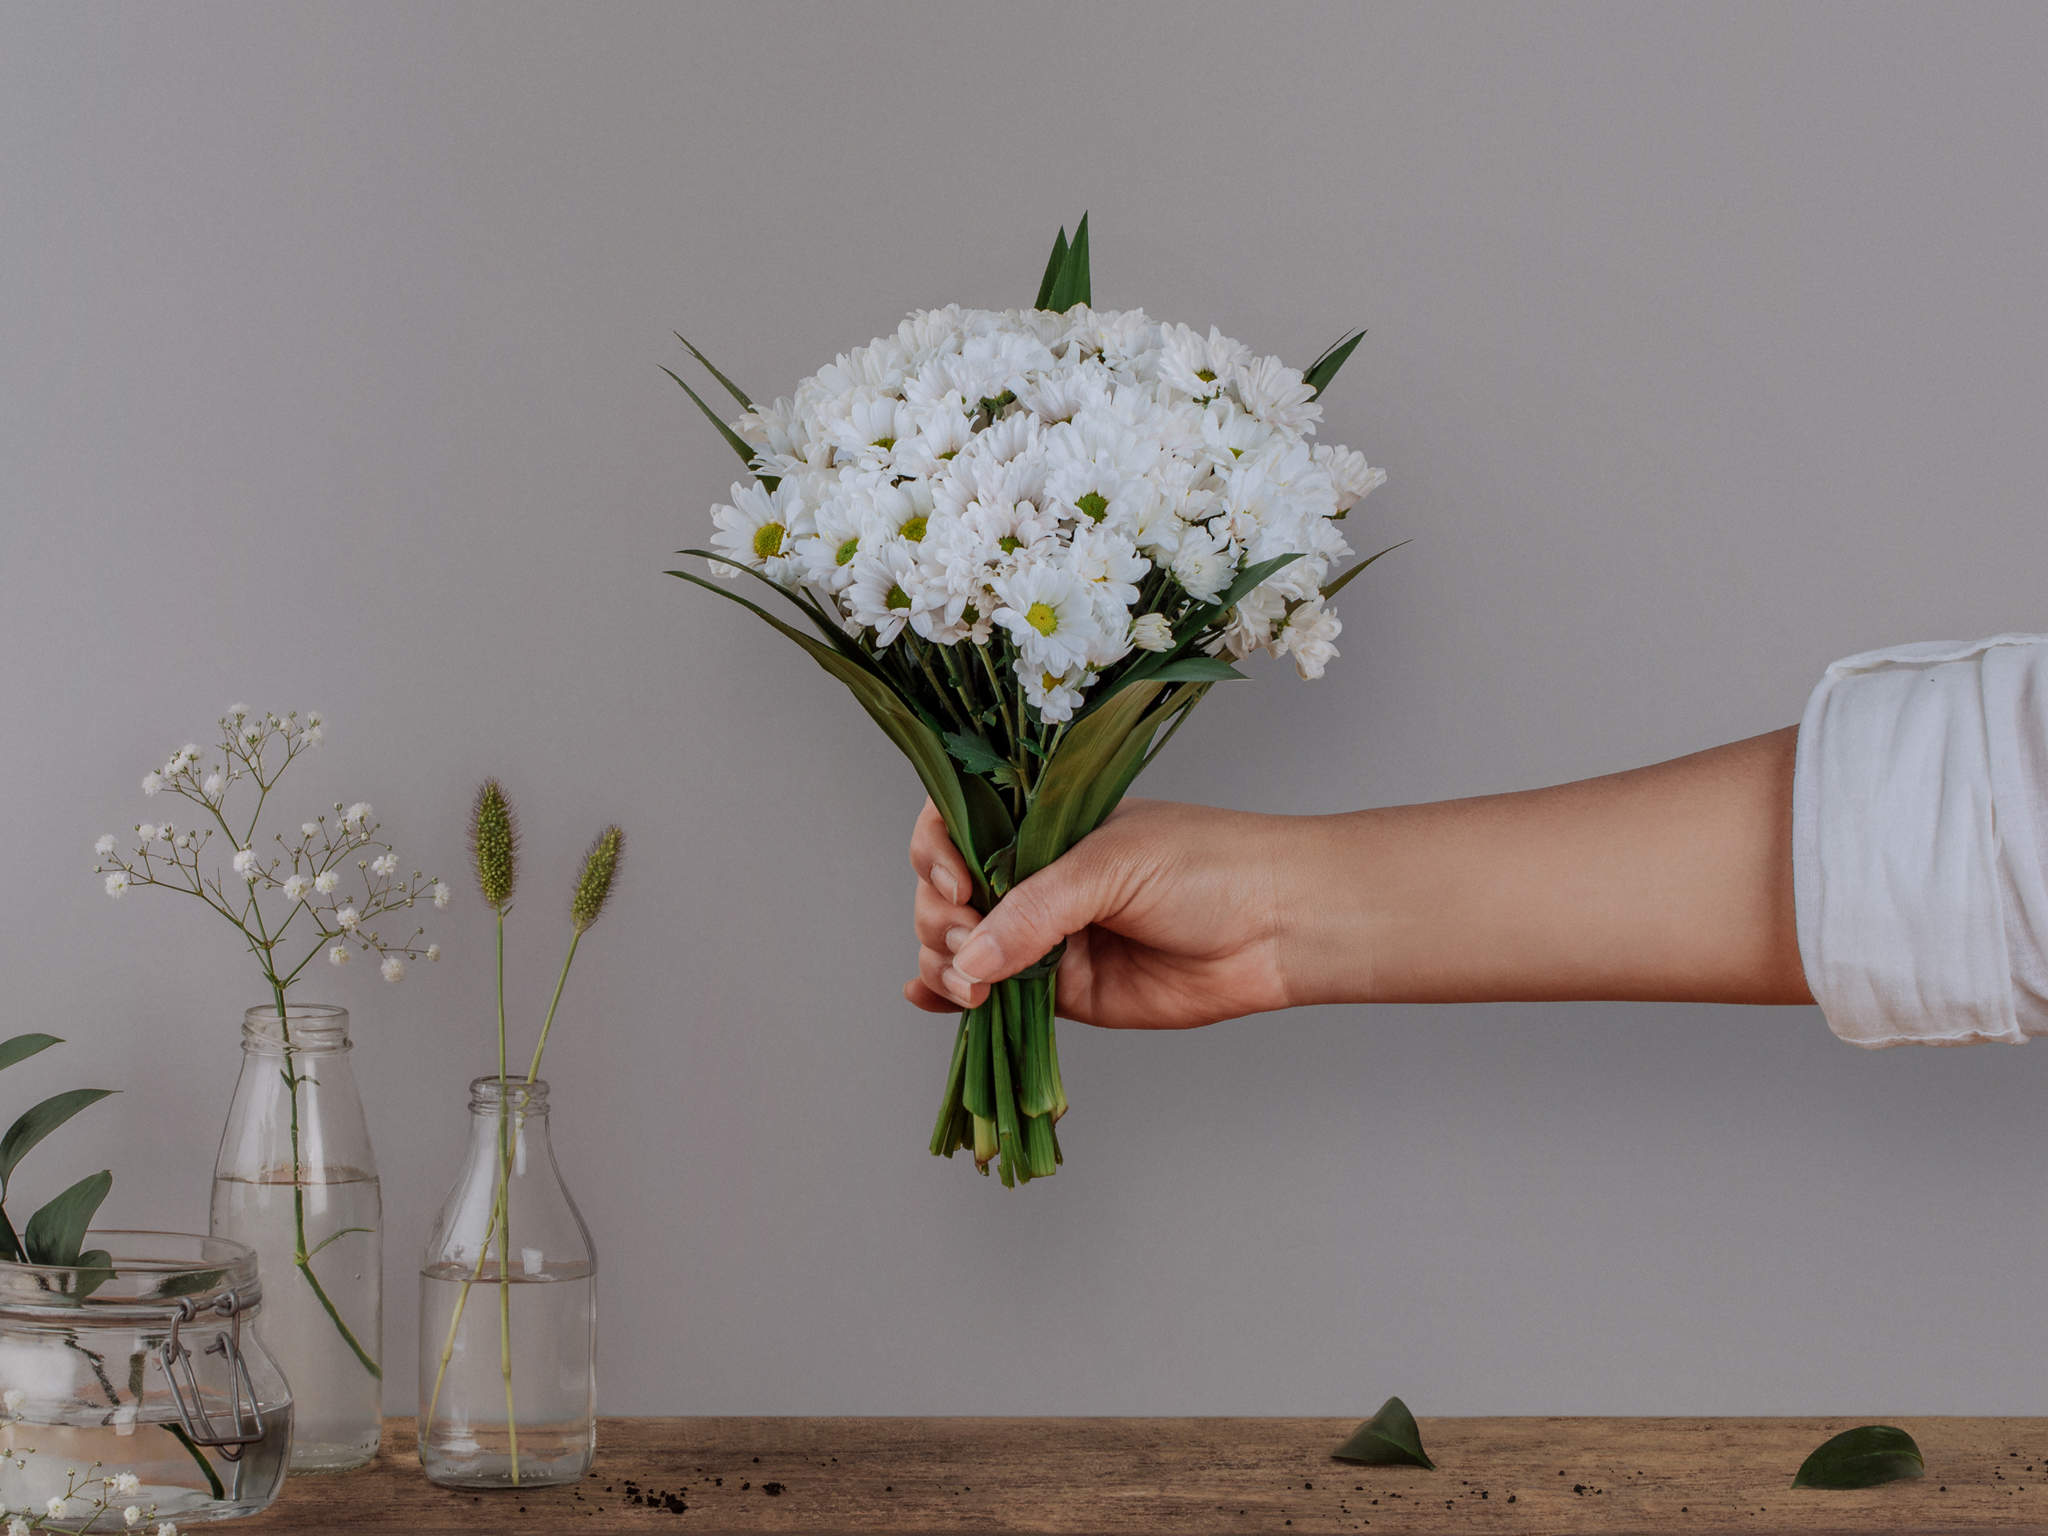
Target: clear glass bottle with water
{"x":295,"y":1180}
{"x":508,"y":1309}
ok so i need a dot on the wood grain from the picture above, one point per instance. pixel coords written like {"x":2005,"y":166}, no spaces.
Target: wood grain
{"x":1202,"y":1476}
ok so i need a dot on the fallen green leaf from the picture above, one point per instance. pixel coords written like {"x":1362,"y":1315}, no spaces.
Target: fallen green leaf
{"x":1861,"y":1457}
{"x":1388,"y":1439}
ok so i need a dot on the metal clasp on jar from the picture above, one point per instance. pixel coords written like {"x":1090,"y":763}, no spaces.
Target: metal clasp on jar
{"x":177,"y":1360}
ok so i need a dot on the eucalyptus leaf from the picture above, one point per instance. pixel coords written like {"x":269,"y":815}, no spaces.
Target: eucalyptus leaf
{"x":1861,"y":1458}
{"x":711,"y":368}
{"x":1318,"y":374}
{"x":740,"y":445}
{"x":1057,"y":260}
{"x":1343,"y":579}
{"x":38,"y":1122}
{"x":21,"y":1047}
{"x":1388,"y":1439}
{"x":57,"y":1231}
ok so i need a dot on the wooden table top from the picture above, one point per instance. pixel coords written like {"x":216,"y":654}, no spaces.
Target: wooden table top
{"x":1194,"y":1477}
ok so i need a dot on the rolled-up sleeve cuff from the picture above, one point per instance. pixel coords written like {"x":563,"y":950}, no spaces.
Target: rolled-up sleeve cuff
{"x":1917,"y":819}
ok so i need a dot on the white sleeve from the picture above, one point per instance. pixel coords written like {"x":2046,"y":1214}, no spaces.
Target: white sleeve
{"x":1920,"y":843}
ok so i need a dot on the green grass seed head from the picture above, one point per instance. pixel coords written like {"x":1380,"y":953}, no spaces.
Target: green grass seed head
{"x":494,"y":843}
{"x":600,"y":874}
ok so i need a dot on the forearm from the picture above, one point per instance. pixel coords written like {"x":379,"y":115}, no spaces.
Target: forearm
{"x":1670,"y":883}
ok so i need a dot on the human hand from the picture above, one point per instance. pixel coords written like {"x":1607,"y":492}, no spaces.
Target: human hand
{"x":1173,"y":916}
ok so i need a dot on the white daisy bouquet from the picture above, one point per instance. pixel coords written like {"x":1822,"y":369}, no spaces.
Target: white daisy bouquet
{"x":1029,"y":541}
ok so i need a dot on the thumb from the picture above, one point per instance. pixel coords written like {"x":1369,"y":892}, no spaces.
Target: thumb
{"x":1061,"y":899}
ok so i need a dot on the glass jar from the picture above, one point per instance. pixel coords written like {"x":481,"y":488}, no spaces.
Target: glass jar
{"x":148,"y":1365}
{"x":295,"y":1180}
{"x":508,"y":1309}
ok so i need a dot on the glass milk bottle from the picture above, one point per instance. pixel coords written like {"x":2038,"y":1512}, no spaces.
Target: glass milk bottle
{"x":508,"y":1309}
{"x":295,"y":1181}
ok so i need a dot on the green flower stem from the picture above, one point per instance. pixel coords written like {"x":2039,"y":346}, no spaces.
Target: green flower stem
{"x":533,"y":1072}
{"x":504,"y":1215}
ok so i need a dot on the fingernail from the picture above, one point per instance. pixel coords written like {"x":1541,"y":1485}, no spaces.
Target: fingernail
{"x":948,"y":887}
{"x":955,"y":937}
{"x":976,"y":955}
{"x":959,"y":988}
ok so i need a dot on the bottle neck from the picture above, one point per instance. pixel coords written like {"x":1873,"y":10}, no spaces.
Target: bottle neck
{"x":302,"y":1029}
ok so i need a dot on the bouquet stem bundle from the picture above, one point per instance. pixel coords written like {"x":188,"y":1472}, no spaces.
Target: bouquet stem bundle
{"x":1028,"y":543}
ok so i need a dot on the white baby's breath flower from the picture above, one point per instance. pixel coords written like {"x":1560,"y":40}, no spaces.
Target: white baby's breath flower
{"x":326,"y":881}
{"x":152,"y":783}
{"x":244,"y":863}
{"x":117,"y":883}
{"x":167,"y":1528}
{"x":105,"y":845}
{"x":442,"y":894}
{"x":384,"y":864}
{"x":13,"y":1399}
{"x":16,"y":1526}
{"x":212,"y":786}
{"x":55,"y":1508}
{"x":145,"y":831}
{"x":347,"y":918}
{"x":1152,"y":632}
{"x":296,"y":887}
{"x":131,"y":1516}
{"x":393,"y":968}
{"x":237,"y":711}
{"x":126,"y":1482}
{"x":338,"y":955}
{"x":433,"y":951}
{"x":310,"y":828}
{"x":357,"y":816}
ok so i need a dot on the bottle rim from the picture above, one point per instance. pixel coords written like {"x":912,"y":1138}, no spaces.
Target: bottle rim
{"x":149,"y":1275}
{"x":491,"y":1095}
{"x":313,"y":1027}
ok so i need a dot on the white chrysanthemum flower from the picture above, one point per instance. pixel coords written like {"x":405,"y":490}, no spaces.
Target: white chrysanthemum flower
{"x":384,"y":864}
{"x":296,"y":887}
{"x":326,"y":881}
{"x":104,"y":845}
{"x":1050,"y":614}
{"x":357,"y":816}
{"x":1054,"y":695}
{"x":393,"y":968}
{"x":1310,"y":637}
{"x":1277,"y":395}
{"x":442,"y":893}
{"x":126,"y":1482}
{"x":433,"y":951}
{"x":347,"y":918}
{"x":1352,"y":478}
{"x":244,"y":863}
{"x":152,"y":783}
{"x":1199,"y":365}
{"x":338,"y":955}
{"x":1152,"y":632}
{"x":879,"y":597}
{"x":760,"y":529}
{"x":1204,"y":565}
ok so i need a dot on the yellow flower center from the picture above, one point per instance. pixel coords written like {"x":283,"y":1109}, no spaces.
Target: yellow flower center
{"x":883,"y":443}
{"x":1206,"y":375}
{"x":1041,"y":617}
{"x":914,"y":530}
{"x":768,"y":540}
{"x":1094,"y":505}
{"x":897,"y":598}
{"x":846,"y":551}
{"x":1009,"y":543}
{"x":1047,"y":681}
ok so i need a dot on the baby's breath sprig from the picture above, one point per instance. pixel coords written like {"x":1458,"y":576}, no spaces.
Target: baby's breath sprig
{"x":87,"y":1495}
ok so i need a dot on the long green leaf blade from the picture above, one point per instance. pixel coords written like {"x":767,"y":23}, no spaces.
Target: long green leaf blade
{"x":739,"y":444}
{"x":1072,"y":286}
{"x":21,"y":1047}
{"x":1339,"y":583}
{"x":712,"y":368}
{"x":1319,"y":373}
{"x":36,"y":1123}
{"x":1057,"y":260}
{"x":818,"y":617}
{"x":57,"y":1231}
{"x":1195,"y":669}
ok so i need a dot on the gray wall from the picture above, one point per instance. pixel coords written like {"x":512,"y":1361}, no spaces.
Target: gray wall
{"x":1707,"y":344}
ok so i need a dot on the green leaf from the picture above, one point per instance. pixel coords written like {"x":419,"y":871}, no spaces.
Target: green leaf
{"x":972,"y":753}
{"x":38,"y":1122}
{"x":1861,"y":1458}
{"x":1388,"y":1439}
{"x":972,"y":811}
{"x":739,"y":444}
{"x":1250,"y":577}
{"x":21,"y":1047}
{"x":711,"y":368}
{"x":95,"y":1269}
{"x":1337,"y":584}
{"x":1317,"y":375}
{"x":57,"y":1231}
{"x":1086,"y":777}
{"x":1053,"y":264}
{"x":1194,"y":669}
{"x":10,"y":1244}
{"x":833,"y":632}
{"x":1072,"y":287}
